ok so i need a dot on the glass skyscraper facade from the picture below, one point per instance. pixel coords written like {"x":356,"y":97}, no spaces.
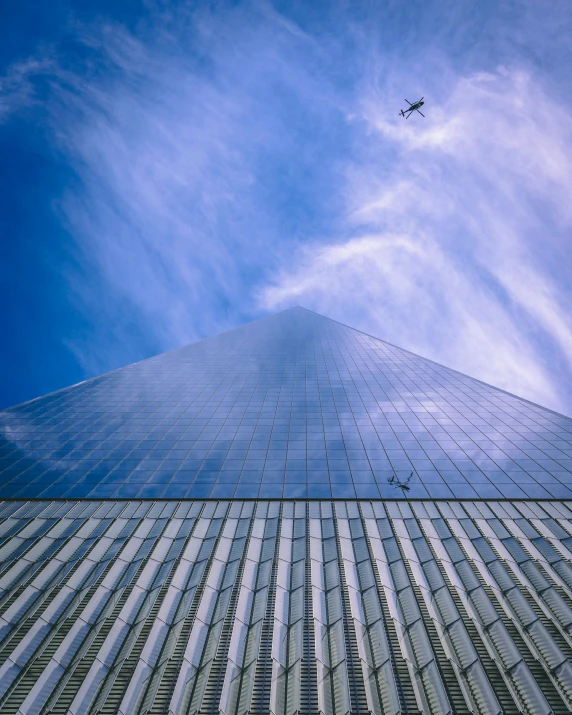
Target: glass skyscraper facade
{"x":292,"y":406}
{"x":291,"y":518}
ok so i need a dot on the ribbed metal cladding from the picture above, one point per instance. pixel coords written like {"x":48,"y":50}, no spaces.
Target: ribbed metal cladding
{"x":288,"y":607}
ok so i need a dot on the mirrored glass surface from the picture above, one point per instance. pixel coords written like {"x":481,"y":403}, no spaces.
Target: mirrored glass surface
{"x":292,"y":405}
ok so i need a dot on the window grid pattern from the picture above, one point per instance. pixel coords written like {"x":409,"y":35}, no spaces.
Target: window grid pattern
{"x":291,"y":406}
{"x":170,"y":606}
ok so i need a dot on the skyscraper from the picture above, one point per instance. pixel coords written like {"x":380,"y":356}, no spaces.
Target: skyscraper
{"x":291,"y":517}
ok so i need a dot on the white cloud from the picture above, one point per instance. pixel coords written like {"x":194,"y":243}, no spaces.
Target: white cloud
{"x":17,"y":86}
{"x":456,"y":244}
{"x":167,"y":139}
{"x":175,"y":141}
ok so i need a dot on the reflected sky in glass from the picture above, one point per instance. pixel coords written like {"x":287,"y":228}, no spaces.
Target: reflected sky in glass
{"x":294,"y":406}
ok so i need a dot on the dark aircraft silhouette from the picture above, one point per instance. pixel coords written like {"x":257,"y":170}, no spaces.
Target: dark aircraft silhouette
{"x":412,"y":108}
{"x":394,"y":481}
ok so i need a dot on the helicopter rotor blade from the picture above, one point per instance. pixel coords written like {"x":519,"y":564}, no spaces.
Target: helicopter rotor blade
{"x":421,"y":113}
{"x":408,"y":102}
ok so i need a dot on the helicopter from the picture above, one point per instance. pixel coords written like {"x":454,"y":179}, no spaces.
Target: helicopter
{"x":394,"y":481}
{"x":413,"y":107}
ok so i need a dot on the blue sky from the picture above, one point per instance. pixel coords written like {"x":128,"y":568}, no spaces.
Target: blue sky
{"x":172,"y":170}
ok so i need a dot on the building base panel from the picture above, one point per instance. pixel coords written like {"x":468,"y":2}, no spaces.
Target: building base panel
{"x":285,"y":607}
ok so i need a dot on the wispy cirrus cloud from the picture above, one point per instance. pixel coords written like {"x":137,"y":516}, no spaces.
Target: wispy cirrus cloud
{"x":457,"y":235}
{"x":169,"y":147}
{"x":179,"y":139}
{"x":17,"y":86}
